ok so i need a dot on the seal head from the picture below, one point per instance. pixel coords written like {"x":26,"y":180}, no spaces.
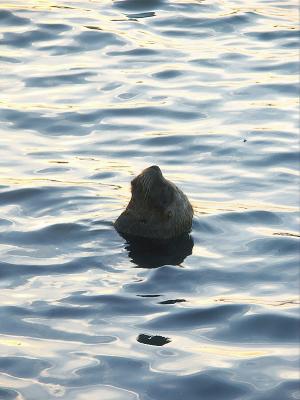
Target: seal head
{"x":158,"y":209}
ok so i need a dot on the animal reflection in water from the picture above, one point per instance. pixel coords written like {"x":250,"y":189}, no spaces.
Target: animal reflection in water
{"x":157,"y":221}
{"x":152,"y":253}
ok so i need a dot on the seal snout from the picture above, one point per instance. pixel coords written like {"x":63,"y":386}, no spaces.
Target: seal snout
{"x":153,"y":171}
{"x":155,"y":168}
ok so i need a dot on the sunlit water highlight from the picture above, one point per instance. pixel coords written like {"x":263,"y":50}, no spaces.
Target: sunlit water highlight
{"x":91,"y":92}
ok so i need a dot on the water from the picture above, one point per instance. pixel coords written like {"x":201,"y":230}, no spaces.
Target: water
{"x":92,"y":92}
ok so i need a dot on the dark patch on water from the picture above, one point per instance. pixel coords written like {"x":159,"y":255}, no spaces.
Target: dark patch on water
{"x":147,"y":253}
{"x":153,"y":340}
{"x":172,"y":301}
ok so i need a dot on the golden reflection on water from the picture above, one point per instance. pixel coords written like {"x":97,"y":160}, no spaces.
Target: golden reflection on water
{"x":201,"y":251}
{"x":197,"y":356}
{"x":212,"y":207}
{"x":34,"y":182}
{"x":10,"y":342}
{"x":278,"y":302}
{"x":271,"y":232}
{"x":293,"y":374}
{"x":78,"y":170}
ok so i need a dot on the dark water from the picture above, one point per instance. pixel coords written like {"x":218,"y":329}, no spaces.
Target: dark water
{"x":91,"y":92}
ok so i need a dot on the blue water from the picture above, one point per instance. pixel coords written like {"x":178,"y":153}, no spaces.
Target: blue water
{"x":92,"y":92}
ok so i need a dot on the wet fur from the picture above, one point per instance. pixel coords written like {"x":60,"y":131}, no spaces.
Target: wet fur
{"x":158,"y":209}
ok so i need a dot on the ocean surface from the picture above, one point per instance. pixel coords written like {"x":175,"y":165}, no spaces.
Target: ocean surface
{"x":91,"y":93}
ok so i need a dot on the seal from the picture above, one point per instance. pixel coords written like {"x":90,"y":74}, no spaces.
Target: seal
{"x":158,"y":209}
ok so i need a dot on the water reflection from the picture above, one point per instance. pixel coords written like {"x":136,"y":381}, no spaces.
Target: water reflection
{"x":92,"y":93}
{"x":153,"y":253}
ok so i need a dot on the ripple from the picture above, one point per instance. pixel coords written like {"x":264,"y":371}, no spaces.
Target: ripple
{"x":286,"y":158}
{"x":65,"y":79}
{"x":8,"y":394}
{"x":103,"y":392}
{"x":138,"y":5}
{"x":196,"y":318}
{"x":28,"y":38}
{"x":167,"y":74}
{"x":97,"y":39}
{"x":114,"y":304}
{"x":207,"y":385}
{"x":261,"y":328}
{"x":142,"y":15}
{"x":140,"y":52}
{"x":253,"y":217}
{"x":23,"y":367}
{"x":281,"y":246}
{"x":40,"y":330}
{"x":224,"y":24}
{"x":276,"y":35}
{"x":18,"y":272}
{"x":94,"y":92}
{"x":265,"y":90}
{"x":58,"y":28}
{"x":19,"y":195}
{"x":41,"y":123}
{"x":10,"y":60}
{"x":9,"y":18}
{"x":45,"y":199}
{"x":67,"y":123}
{"x":291,"y":67}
